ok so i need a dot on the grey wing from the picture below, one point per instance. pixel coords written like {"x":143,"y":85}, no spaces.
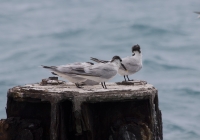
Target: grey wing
{"x":98,"y":60}
{"x":77,"y":70}
{"x":70,"y":69}
{"x":197,"y":12}
{"x":109,"y":73}
{"x":99,"y":70}
{"x":105,"y":71}
{"x":88,"y":71}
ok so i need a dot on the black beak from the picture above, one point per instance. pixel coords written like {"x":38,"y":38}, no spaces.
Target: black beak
{"x":133,"y":54}
{"x":123,"y":66}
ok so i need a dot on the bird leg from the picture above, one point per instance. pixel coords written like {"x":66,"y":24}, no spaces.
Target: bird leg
{"x":102,"y":84}
{"x":128,"y":78}
{"x":124,"y":78}
{"x":105,"y":85}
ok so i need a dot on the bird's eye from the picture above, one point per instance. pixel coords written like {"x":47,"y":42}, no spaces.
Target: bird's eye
{"x":133,"y":54}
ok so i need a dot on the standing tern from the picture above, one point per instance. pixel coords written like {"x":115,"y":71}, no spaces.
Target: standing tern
{"x":132,"y":63}
{"x":64,"y":72}
{"x":100,"y":72}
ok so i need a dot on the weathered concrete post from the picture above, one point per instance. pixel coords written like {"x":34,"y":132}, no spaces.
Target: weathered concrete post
{"x":54,"y":110}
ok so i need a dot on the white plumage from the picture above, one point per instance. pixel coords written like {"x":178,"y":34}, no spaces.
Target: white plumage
{"x":88,"y":73}
{"x":64,"y":71}
{"x":132,"y":63}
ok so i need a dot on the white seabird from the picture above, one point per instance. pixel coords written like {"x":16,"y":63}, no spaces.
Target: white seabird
{"x":132,"y":63}
{"x":100,"y":72}
{"x":64,"y":72}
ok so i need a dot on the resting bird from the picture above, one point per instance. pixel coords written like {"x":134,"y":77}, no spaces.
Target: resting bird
{"x":99,"y":72}
{"x":64,"y":72}
{"x":132,"y":63}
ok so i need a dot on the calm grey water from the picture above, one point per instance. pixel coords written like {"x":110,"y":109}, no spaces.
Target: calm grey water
{"x":59,"y":32}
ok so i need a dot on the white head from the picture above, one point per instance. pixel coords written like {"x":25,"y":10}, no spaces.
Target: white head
{"x":117,"y":60}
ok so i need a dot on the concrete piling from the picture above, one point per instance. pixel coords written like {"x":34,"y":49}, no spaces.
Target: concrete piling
{"x":55,"y":110}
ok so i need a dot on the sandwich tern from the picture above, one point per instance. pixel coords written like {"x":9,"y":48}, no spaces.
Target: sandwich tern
{"x":132,"y":63}
{"x":64,"y":72}
{"x":100,"y":72}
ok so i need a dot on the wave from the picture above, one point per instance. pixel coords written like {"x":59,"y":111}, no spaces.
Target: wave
{"x":162,"y":66}
{"x":189,"y":91}
{"x":147,"y":29}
